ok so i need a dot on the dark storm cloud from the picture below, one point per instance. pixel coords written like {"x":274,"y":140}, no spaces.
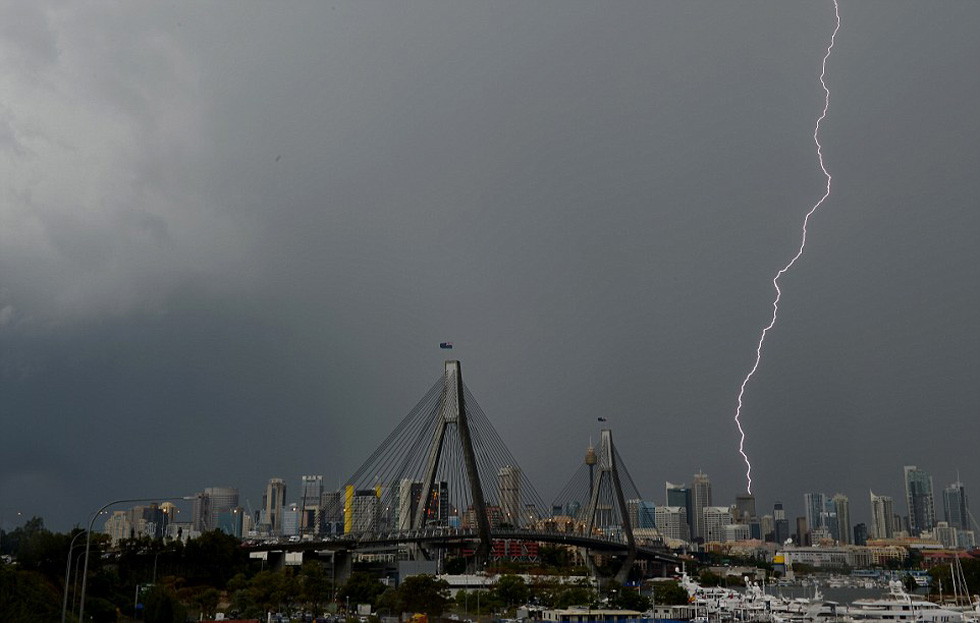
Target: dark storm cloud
{"x":232,"y":240}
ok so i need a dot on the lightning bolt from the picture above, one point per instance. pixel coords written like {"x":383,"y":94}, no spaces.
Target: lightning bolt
{"x":799,"y":252}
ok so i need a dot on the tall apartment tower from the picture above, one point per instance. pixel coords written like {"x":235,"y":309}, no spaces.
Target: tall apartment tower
{"x":680,"y":496}
{"x":918,"y":495}
{"x":509,"y":480}
{"x":273,"y":503}
{"x":815,"y":505}
{"x":311,"y":490}
{"x":780,"y":529}
{"x":744,"y":508}
{"x":700,"y":499}
{"x":843,"y":508}
{"x":882,"y":516}
{"x":955,"y":506}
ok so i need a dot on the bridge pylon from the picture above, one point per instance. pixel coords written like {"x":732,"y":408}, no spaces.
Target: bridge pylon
{"x":453,"y":412}
{"x":608,"y":476}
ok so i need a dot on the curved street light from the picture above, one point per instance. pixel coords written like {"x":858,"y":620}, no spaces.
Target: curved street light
{"x":71,"y":548}
{"x":88,"y":538}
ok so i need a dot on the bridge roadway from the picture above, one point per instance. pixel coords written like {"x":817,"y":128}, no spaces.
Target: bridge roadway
{"x":372,"y":541}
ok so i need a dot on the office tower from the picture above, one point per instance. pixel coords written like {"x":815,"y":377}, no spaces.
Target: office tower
{"x":882,"y":513}
{"x":744,"y":508}
{"x":714,"y":520}
{"x":955,"y":506}
{"x":222,"y":500}
{"x":680,"y":495}
{"x":360,"y":510}
{"x":407,"y":502}
{"x":672,"y":522}
{"x":843,"y":510}
{"x":802,"y":532}
{"x":700,"y":499}
{"x":273,"y":503}
{"x":814,"y":505}
{"x":861,"y":534}
{"x":201,"y":513}
{"x":332,"y":512}
{"x":767,"y":526}
{"x":780,"y":524}
{"x":918,"y":496}
{"x":642,"y":514}
{"x":311,"y":489}
{"x":509,"y":481}
{"x":290,"y":520}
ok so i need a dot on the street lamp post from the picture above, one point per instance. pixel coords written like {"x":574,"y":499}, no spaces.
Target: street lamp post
{"x":88,"y":538}
{"x":71,"y":548}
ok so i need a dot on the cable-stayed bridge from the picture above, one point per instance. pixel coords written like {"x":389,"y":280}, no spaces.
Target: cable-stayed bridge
{"x":444,"y":478}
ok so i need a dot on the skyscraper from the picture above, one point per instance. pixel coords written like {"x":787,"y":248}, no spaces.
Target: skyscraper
{"x":680,"y":495}
{"x":273,"y":503}
{"x":509,"y":479}
{"x":882,"y":516}
{"x":311,"y":489}
{"x":843,"y":508}
{"x":955,"y":506}
{"x":744,"y":508}
{"x":815,"y":505}
{"x":700,"y":499}
{"x":918,"y":495}
{"x":780,"y":524}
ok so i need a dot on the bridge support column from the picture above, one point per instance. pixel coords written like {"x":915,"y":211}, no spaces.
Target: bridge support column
{"x":609,"y":473}
{"x":452,"y":410}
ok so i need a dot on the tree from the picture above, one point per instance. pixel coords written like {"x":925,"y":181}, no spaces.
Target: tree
{"x":160,"y":605}
{"x":361,"y":588}
{"x":455,"y":565}
{"x":669,"y":593}
{"x":512,"y":589}
{"x":423,"y":593}
{"x":315,"y":586}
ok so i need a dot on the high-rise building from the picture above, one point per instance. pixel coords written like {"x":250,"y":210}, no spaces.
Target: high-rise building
{"x":919,"y":497}
{"x":802,"y":532}
{"x":700,"y":499}
{"x":780,"y":524}
{"x":882,"y":513}
{"x":332,"y":512}
{"x":843,"y":510}
{"x":407,"y":502}
{"x":955,"y":506}
{"x":861,"y":534}
{"x":509,"y":480}
{"x":715,"y":518}
{"x":311,"y":490}
{"x":672,"y":522}
{"x":814,"y":505}
{"x":680,"y":495}
{"x":767,"y":528}
{"x":744,"y":508}
{"x":642,"y":514}
{"x":273,"y":503}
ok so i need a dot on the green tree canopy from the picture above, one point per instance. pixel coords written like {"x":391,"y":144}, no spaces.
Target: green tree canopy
{"x":423,"y":593}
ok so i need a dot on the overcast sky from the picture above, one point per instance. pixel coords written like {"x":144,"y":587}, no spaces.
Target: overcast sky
{"x":233,"y":235}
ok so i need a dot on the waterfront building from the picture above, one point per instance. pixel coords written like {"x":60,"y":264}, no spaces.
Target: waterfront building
{"x":843,"y":510}
{"x":955,"y":508}
{"x":882,"y":514}
{"x":946,"y":534}
{"x":919,"y":498}
{"x":802,"y":532}
{"x":966,"y":539}
{"x":736,"y":532}
{"x":700,"y":499}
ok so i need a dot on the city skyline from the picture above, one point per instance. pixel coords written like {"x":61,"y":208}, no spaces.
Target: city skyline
{"x":234,"y":240}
